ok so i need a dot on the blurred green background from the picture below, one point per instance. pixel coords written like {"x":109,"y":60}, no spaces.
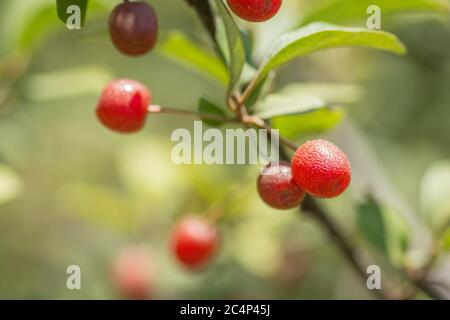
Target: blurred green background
{"x":72,"y":192}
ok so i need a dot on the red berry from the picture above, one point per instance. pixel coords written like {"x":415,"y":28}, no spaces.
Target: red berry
{"x":123,"y":105}
{"x":277,"y":189}
{"x":133,"y":27}
{"x":321,"y":169}
{"x":132,"y":273}
{"x":255,"y":10}
{"x":194,"y":241}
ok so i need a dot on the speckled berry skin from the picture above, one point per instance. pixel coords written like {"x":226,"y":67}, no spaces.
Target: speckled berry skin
{"x":255,"y":10}
{"x":123,"y":105}
{"x":321,"y":169}
{"x":132,"y":274}
{"x":194,"y":241}
{"x":133,"y":28}
{"x":277,"y":189}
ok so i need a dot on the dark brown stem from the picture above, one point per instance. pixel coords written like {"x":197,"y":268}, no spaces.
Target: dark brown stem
{"x":311,"y":207}
{"x":431,"y":290}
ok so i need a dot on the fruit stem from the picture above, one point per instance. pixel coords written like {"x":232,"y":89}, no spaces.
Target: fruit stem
{"x":248,"y":90}
{"x":185,"y":113}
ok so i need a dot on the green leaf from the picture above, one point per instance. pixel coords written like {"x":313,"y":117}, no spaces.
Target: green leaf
{"x":207,"y":106}
{"x":445,"y":240}
{"x":99,"y":206}
{"x":343,"y":11}
{"x":71,"y":82}
{"x":280,"y":105}
{"x":312,"y":122}
{"x":333,"y":93}
{"x":10,"y":184}
{"x":384,"y":229}
{"x":306,"y":97}
{"x":39,"y":26}
{"x":183,"y":50}
{"x":63,"y":5}
{"x":321,"y":36}
{"x":435,"y":196}
{"x":26,"y":23}
{"x":371,"y":225}
{"x":236,"y":50}
{"x":305,"y":108}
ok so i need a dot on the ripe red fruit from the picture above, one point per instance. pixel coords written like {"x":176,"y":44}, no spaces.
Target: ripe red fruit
{"x":132,"y":273}
{"x":255,"y":10}
{"x":133,"y":28}
{"x":277,"y":189}
{"x":321,"y":169}
{"x":123,"y":105}
{"x":194,"y":241}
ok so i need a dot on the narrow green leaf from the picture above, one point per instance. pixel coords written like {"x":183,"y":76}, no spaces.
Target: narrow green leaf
{"x":304,"y":108}
{"x":321,"y":36}
{"x":236,"y":50}
{"x":343,"y":11}
{"x":205,"y":105}
{"x":183,"y":50}
{"x":306,"y":97}
{"x":39,"y":26}
{"x":383,"y":228}
{"x":318,"y":121}
{"x":332,"y":93}
{"x":281,"y":105}
{"x":371,"y":225}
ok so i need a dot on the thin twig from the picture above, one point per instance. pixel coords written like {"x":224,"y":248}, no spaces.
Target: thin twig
{"x":155,"y":109}
{"x":248,"y":91}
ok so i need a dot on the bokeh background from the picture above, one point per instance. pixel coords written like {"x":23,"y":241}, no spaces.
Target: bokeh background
{"x":72,"y":192}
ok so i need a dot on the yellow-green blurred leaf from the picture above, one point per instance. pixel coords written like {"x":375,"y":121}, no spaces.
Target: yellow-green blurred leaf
{"x":99,"y":206}
{"x":344,"y":11}
{"x":435,"y":195}
{"x":182,"y":49}
{"x":66,"y":83}
{"x":146,"y":169}
{"x":10,"y":184}
{"x":312,"y":122}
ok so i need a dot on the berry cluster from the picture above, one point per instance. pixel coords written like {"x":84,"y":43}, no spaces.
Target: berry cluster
{"x":318,"y":167}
